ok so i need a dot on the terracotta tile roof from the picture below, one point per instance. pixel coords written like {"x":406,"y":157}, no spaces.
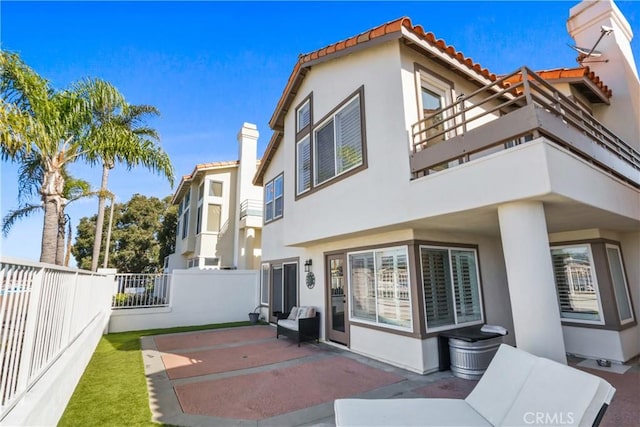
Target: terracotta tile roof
{"x":570,"y":74}
{"x":400,"y":27}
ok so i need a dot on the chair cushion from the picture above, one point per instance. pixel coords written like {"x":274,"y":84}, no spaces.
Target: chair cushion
{"x":289,"y":324}
{"x":501,"y":382}
{"x":306,"y":312}
{"x":406,"y":412}
{"x":558,"y":393}
{"x":293,"y":314}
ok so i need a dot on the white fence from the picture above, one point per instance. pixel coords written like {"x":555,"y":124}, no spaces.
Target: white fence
{"x":135,"y":290}
{"x":51,"y":319}
{"x":197,"y":297}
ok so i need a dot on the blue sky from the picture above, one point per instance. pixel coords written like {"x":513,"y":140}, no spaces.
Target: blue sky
{"x":210,"y":66}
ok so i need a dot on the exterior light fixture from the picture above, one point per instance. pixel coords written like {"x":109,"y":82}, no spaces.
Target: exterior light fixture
{"x":307,"y":265}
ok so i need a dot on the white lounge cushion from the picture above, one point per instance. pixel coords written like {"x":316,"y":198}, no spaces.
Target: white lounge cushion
{"x":289,"y":324}
{"x":501,"y":382}
{"x":293,"y":314}
{"x":406,"y":412}
{"x":557,"y":394}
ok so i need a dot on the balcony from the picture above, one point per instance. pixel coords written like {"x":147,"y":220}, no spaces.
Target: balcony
{"x":513,"y":110}
{"x":251,"y":213}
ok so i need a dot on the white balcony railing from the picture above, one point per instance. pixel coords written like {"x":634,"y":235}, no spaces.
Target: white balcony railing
{"x":250,"y":207}
{"x":43,"y":310}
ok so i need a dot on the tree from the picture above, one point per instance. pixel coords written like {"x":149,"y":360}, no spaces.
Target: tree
{"x":136,"y":245}
{"x":29,"y":179}
{"x":39,"y":122}
{"x":119,"y":134}
{"x":168,"y":231}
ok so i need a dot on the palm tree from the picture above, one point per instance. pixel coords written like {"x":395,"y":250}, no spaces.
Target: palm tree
{"x":30,"y":177}
{"x":119,"y":134}
{"x":36,"y":120}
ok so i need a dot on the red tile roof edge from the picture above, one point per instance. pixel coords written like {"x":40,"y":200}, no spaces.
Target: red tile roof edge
{"x":395,"y":26}
{"x":570,"y":73}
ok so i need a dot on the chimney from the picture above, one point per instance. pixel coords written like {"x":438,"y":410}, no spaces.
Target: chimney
{"x":619,"y":72}
{"x":248,"y":155}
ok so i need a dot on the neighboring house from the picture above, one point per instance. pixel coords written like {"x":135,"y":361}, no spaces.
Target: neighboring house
{"x":220,"y":212}
{"x":425,"y":193}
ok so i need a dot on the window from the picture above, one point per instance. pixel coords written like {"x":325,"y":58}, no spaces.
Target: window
{"x":575,"y":279}
{"x":199,"y":219}
{"x":185,"y":214}
{"x":379,"y":287}
{"x":264,"y":285}
{"x":211,"y":262}
{"x":274,"y":199}
{"x":451,"y":286}
{"x":215,"y":189}
{"x":619,"y":281}
{"x":214,"y":212}
{"x":201,"y":191}
{"x":303,"y":116}
{"x":435,"y":94}
{"x":338,"y":142}
{"x":304,"y":165}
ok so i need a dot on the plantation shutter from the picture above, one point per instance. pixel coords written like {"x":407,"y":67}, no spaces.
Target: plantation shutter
{"x":304,"y":165}
{"x":562,"y":280}
{"x":304,"y":116}
{"x":465,"y":279}
{"x":325,"y":153}
{"x":349,"y":136}
{"x":362,"y":281}
{"x":437,"y":287}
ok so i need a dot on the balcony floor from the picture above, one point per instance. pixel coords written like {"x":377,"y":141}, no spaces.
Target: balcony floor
{"x":244,"y":376}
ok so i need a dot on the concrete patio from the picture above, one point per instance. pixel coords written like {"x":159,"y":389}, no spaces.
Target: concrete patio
{"x":245,"y":377}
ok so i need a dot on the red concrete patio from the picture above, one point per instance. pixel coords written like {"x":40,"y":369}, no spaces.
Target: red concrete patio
{"x":244,"y":376}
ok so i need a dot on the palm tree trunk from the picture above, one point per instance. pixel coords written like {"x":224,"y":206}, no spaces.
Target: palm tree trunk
{"x":60,"y":237}
{"x":67,"y":256}
{"x":102,"y":199}
{"x":53,"y":202}
{"x":49,"y":230}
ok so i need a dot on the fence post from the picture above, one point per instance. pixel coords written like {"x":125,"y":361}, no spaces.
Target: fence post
{"x":30,"y":329}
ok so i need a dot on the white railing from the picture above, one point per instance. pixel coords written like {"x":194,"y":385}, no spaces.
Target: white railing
{"x":43,"y":310}
{"x":142,"y":290}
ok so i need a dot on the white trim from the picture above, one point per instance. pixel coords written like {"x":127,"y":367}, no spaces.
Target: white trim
{"x":592,"y":270}
{"x":377,"y":322}
{"x":262,"y":284}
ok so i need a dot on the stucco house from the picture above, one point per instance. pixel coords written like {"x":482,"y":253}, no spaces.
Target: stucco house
{"x":220,"y":212}
{"x":410,"y":191}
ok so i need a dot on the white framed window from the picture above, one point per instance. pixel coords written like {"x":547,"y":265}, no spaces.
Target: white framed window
{"x":620,"y":285}
{"x":215,"y":189}
{"x":199,"y":211}
{"x":303,"y":148}
{"x":338,"y":143}
{"x":185,"y":214}
{"x":264,"y":284}
{"x":214,"y":214}
{"x":576,"y":284}
{"x":274,"y":199}
{"x":435,"y":94}
{"x":379,"y":288}
{"x":303,"y":116}
{"x":451,"y":287}
{"x":211,"y":263}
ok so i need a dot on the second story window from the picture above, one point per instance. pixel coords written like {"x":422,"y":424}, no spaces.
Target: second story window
{"x":337,"y":142}
{"x":215,"y":189}
{"x":274,"y":199}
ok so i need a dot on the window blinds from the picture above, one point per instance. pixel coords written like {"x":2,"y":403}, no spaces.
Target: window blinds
{"x":304,"y":165}
{"x":348,"y":137}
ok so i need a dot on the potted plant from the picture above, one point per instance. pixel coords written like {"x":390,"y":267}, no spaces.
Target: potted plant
{"x":253,"y":316}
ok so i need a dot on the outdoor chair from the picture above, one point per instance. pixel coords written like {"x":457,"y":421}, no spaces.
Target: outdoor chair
{"x":517,"y":389}
{"x":301,"y":324}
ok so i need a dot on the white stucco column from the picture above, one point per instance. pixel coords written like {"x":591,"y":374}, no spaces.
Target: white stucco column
{"x":536,"y":315}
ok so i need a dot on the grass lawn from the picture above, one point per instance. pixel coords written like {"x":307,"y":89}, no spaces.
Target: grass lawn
{"x":113,"y":388}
